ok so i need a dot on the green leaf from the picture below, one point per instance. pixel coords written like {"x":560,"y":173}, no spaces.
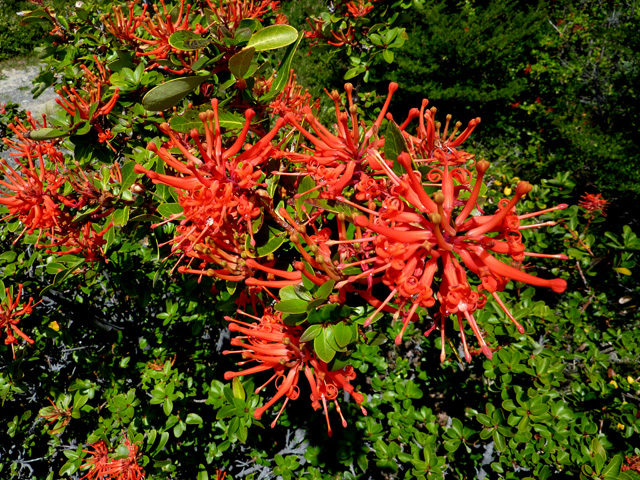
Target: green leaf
{"x":240,"y":63}
{"x":121,"y":216}
{"x":230,"y":120}
{"x":501,"y":443}
{"x":238,"y":389}
{"x":612,"y":470}
{"x":310,"y":333}
{"x":325,"y":289}
{"x":388,"y":56}
{"x":187,"y":122}
{"x":167,"y":406}
{"x":272,"y":37}
{"x":342,"y":334}
{"x":322,"y":348}
{"x":169,"y":209}
{"x":163,"y":441}
{"x":282,"y":76}
{"x":394,"y":145}
{"x":353,"y":72}
{"x":292,"y":306}
{"x":47,"y":134}
{"x":193,"y":419}
{"x":128,"y":176}
{"x":170,"y":93}
{"x":268,"y":240}
{"x":187,"y":41}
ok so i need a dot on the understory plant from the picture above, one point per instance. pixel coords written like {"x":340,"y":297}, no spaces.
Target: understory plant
{"x":202,"y":252}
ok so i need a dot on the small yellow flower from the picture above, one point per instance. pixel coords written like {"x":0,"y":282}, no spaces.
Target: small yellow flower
{"x":620,"y":426}
{"x":630,"y":379}
{"x":613,"y":382}
{"x":54,"y":326}
{"x":507,"y":191}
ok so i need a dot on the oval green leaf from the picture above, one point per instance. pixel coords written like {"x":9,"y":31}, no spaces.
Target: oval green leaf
{"x":310,"y":333}
{"x":323,"y":349}
{"x":292,"y":306}
{"x":342,"y":334}
{"x":394,"y":145}
{"x":187,"y":41}
{"x":169,"y":209}
{"x":170,"y":93}
{"x":239,"y":64}
{"x":47,"y":134}
{"x":275,"y":36}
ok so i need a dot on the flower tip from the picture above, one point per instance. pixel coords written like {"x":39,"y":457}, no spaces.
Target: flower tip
{"x":520,"y":328}
{"x":361,"y":221}
{"x":229,"y":375}
{"x":393,"y":86}
{"x":398,"y":339}
{"x":234,"y":327}
{"x":523,"y":188}
{"x":487,"y":352}
{"x":405,"y":160}
{"x":482,"y":166}
{"x":562,"y":206}
{"x":249,"y":113}
{"x":348,"y":87}
{"x":558,"y":285}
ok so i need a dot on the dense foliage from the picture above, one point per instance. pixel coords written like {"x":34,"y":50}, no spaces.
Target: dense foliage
{"x":193,"y":245}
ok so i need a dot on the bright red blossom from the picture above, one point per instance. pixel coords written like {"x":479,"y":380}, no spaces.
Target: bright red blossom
{"x":275,"y":346}
{"x":10,"y":315}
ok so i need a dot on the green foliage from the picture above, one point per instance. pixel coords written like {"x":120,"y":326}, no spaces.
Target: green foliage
{"x":129,"y":350}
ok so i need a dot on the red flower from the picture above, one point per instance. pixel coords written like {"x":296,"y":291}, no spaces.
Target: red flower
{"x":274,"y":346}
{"x":217,"y":191}
{"x":10,"y":311}
{"x":102,"y":465}
{"x":358,"y":9}
{"x":594,"y":203}
{"x":421,"y":246}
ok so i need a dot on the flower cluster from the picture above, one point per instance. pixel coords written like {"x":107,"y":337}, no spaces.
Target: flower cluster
{"x":396,"y":219}
{"x":11,"y":312}
{"x":270,"y":345}
{"x":102,"y":465}
{"x":219,"y":192}
{"x":33,"y":187}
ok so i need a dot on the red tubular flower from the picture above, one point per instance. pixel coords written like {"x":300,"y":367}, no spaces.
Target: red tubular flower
{"x":232,"y":12}
{"x":10,"y":313}
{"x":594,"y":203}
{"x":272,"y":345}
{"x":103,"y":466}
{"x":358,"y":9}
{"x":218,"y":192}
{"x":420,"y":246}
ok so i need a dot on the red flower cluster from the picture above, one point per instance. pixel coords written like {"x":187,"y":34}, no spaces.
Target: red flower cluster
{"x":594,"y":203}
{"x":10,"y":315}
{"x":103,"y":466}
{"x":274,"y":346}
{"x":33,"y":191}
{"x":218,"y":192}
{"x":417,"y":225}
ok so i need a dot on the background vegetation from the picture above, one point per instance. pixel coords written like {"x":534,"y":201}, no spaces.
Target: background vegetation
{"x":133,"y":350}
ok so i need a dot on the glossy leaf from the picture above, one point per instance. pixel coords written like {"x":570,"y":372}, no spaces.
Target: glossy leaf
{"x":187,"y":41}
{"x":272,"y":37}
{"x":240,"y":63}
{"x":170,"y":93}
